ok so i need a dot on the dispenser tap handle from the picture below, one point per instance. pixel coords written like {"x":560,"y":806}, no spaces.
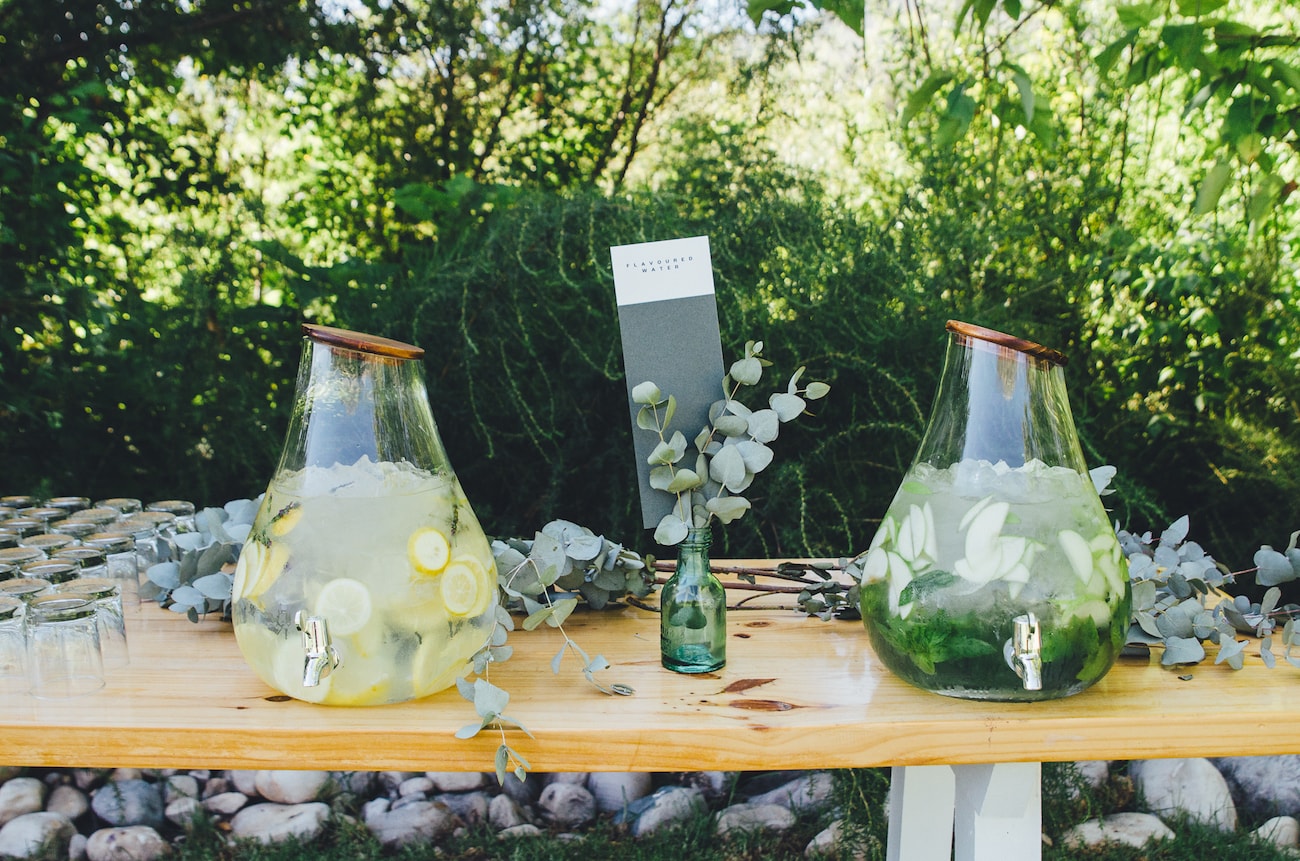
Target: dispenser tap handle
{"x":1024,"y":651}
{"x":320,"y":656}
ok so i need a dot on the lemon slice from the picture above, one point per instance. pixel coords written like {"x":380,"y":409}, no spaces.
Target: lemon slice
{"x":429,"y":550}
{"x":249,"y":565}
{"x":465,"y":588}
{"x":345,"y":605}
{"x":286,"y":519}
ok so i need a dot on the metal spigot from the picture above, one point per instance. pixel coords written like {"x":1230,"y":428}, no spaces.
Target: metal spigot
{"x":321,"y":656}
{"x":1024,"y":651}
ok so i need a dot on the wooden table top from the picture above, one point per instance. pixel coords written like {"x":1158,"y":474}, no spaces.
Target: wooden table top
{"x":797,"y":692}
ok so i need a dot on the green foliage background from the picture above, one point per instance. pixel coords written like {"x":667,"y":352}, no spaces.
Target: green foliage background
{"x":178,"y":199}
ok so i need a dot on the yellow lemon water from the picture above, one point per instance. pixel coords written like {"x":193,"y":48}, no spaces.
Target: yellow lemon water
{"x":394,"y":562}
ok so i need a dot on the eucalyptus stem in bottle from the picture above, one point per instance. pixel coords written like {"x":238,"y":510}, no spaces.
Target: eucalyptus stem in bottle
{"x":693,"y":610}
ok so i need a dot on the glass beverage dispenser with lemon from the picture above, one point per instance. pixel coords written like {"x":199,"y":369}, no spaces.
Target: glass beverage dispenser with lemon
{"x":366,"y":578}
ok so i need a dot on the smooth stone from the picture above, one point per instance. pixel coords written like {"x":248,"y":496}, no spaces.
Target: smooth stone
{"x":291,"y":787}
{"x":133,"y":801}
{"x":579,"y":777}
{"x":226,"y":803}
{"x":388,"y":781}
{"x":524,"y":830}
{"x":356,"y":782}
{"x":133,"y":843}
{"x":1190,"y":786}
{"x":504,"y":812}
{"x":407,"y":801}
{"x":810,"y":792}
{"x":374,"y":807}
{"x":273,"y":823}
{"x":1127,"y":829}
{"x":120,"y":774}
{"x":1264,"y":786}
{"x":218,"y":785}
{"x":457,"y":781}
{"x":243,"y":780}
{"x":471,"y":807}
{"x":183,"y":811}
{"x":754,"y":817}
{"x":68,"y":800}
{"x":415,"y":786}
{"x":8,"y":772}
{"x":667,"y":806}
{"x":567,"y":804}
{"x":20,"y":796}
{"x":25,"y":835}
{"x":180,"y":786}
{"x":615,"y":790}
{"x":77,"y":847}
{"x":423,"y":822}
{"x":1280,"y":831}
{"x":827,"y":844}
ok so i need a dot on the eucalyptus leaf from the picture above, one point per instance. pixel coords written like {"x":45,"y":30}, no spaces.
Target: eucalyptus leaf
{"x":727,"y":508}
{"x":729,"y":425}
{"x":215,"y":586}
{"x":166,"y":575}
{"x":764,"y":425}
{"x":755,"y":455}
{"x":188,"y":596}
{"x":646,"y":393}
{"x":1274,"y":568}
{"x":489,"y":699}
{"x":747,"y":371}
{"x":647,"y":419}
{"x":1182,"y":650}
{"x":787,"y":406}
{"x":728,"y":468}
{"x":671,"y":530}
{"x":816,"y":391}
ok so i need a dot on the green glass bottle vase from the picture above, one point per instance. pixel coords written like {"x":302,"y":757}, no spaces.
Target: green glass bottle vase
{"x":693,"y":610}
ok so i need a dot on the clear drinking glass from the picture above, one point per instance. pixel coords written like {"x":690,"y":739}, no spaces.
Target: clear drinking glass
{"x":120,"y":556}
{"x":51,"y":571}
{"x":180,"y":509}
{"x":13,"y":647}
{"x":63,"y":650}
{"x":91,"y":560}
{"x":107,"y":598}
{"x":125,"y":506}
{"x":48,"y":543}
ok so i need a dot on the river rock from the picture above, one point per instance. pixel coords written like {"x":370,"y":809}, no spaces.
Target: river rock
{"x":26,"y":835}
{"x":1263,"y":786}
{"x":471,"y":807}
{"x":133,"y":843}
{"x":183,"y":811}
{"x":457,"y":781}
{"x":77,"y":847}
{"x":226,"y":803}
{"x":8,"y":772}
{"x":523,"y":830}
{"x":421,"y":785}
{"x":68,"y":800}
{"x":422,"y":822}
{"x":133,"y":801}
{"x":811,"y":791}
{"x":668,"y":805}
{"x":713,"y":784}
{"x":1190,"y":786}
{"x":829,"y":842}
{"x":754,"y":817}
{"x":504,"y":812}
{"x":1128,"y":829}
{"x":19,"y":796}
{"x":1280,"y":831}
{"x":270,"y":822}
{"x":567,"y":804}
{"x":180,"y":786}
{"x":243,"y":780}
{"x":615,"y":790}
{"x":291,"y":787}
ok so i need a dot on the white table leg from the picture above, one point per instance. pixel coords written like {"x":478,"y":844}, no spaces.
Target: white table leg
{"x":921,"y":801}
{"x":999,"y":812}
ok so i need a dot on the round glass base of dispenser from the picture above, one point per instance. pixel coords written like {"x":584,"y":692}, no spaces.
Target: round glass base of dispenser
{"x":692,"y":659}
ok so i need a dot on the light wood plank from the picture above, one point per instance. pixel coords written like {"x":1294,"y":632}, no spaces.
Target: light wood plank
{"x":796,"y":693}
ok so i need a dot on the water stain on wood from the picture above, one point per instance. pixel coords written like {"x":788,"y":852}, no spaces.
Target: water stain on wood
{"x":278,"y":698}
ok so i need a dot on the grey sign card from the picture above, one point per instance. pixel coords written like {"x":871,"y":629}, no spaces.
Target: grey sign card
{"x":668,"y":317}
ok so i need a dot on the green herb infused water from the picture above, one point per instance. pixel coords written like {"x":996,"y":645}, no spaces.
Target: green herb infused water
{"x":995,"y":574}
{"x":965,"y":550}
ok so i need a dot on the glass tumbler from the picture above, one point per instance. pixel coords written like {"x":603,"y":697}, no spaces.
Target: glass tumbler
{"x":13,"y":647}
{"x":63,"y":652}
{"x":107,"y":598}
